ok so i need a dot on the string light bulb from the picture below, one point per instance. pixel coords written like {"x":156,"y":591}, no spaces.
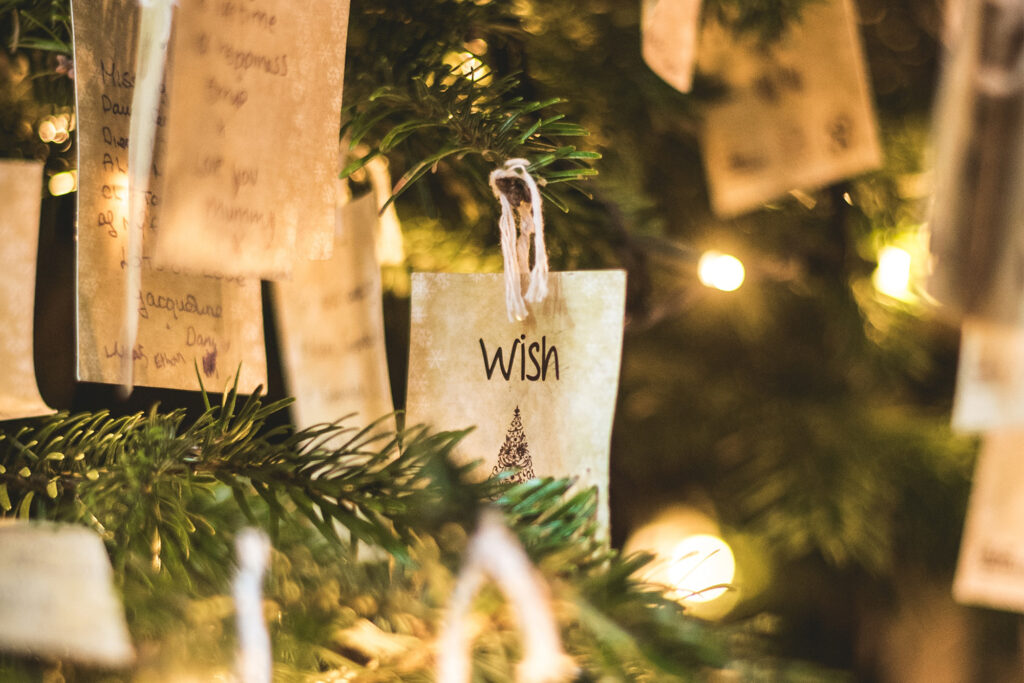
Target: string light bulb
{"x":892,"y":277}
{"x":63,"y":183}
{"x":720,"y":271}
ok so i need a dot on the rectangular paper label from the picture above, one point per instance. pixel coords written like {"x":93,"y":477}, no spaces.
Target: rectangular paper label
{"x":990,"y":571}
{"x":57,"y":595}
{"x":184,"y":320}
{"x":541,"y":392}
{"x":254,"y":113}
{"x":21,"y":187}
{"x":797,"y":116}
{"x":990,"y":377}
{"x":669,"y":40}
{"x":331,"y":327}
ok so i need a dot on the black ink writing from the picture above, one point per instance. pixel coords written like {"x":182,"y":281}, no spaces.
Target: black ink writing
{"x":541,"y":363}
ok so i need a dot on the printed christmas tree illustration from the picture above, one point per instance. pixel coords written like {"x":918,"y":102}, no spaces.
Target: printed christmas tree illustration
{"x":515,"y":452}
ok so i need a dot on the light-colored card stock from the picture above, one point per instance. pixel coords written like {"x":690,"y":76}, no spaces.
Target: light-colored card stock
{"x":797,"y":114}
{"x":540,"y":392}
{"x":252,"y":130}
{"x":990,"y":377}
{"x":21,"y":187}
{"x":185,"y":320}
{"x":331,"y":327}
{"x":990,"y":571}
{"x":57,"y":595}
{"x":669,"y":30}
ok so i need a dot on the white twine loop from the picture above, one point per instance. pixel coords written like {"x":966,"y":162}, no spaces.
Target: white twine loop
{"x":493,"y":551}
{"x":255,"y":661}
{"x":520,"y":204}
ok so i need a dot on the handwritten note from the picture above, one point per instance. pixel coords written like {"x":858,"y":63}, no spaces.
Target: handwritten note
{"x":331,"y":327}
{"x":669,"y":39}
{"x":253,"y":120}
{"x":540,"y":392}
{"x":184,"y":320}
{"x":57,"y":595}
{"x":797,"y":115}
{"x":990,"y":377}
{"x":990,"y":570}
{"x":21,"y":187}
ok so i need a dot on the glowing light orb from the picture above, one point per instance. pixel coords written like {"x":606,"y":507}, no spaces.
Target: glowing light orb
{"x":720,"y":271}
{"x":701,"y":568}
{"x":64,"y":182}
{"x":892,"y":277}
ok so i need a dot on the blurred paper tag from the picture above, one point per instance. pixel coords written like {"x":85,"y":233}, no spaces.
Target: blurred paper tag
{"x":21,"y":187}
{"x":57,"y":595}
{"x":331,"y":327}
{"x":252,"y":125}
{"x":798,"y":113}
{"x":540,"y":392}
{"x":669,"y":39}
{"x":184,"y":320}
{"x":990,"y":377}
{"x":990,"y":571}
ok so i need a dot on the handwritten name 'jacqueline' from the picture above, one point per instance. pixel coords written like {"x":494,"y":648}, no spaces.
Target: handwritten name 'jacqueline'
{"x":541,"y":364}
{"x":175,"y":305}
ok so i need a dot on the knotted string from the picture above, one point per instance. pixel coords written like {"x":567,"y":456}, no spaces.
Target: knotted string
{"x":520,"y":200}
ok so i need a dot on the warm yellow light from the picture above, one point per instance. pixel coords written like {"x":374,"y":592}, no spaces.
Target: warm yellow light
{"x":720,"y":271}
{"x":64,"y":182}
{"x":892,"y":277}
{"x":700,"y":569}
{"x":47,"y":129}
{"x":472,"y":68}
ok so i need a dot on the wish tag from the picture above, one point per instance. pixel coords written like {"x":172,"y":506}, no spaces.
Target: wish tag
{"x":21,"y":186}
{"x":331,"y":327}
{"x":540,"y":392}
{"x":185,"y":320}
{"x":798,"y":113}
{"x":254,"y":113}
{"x":669,"y":39}
{"x":57,"y":595}
{"x":990,"y":571}
{"x":990,"y":377}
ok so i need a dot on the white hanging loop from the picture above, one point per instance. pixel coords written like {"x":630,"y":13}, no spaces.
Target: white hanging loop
{"x":520,"y":200}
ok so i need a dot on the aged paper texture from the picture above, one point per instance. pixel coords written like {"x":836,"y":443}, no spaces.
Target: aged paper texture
{"x":331,"y":328}
{"x":540,"y":392}
{"x":798,"y":113}
{"x":252,"y":125}
{"x":21,"y":187}
{"x":57,"y":595}
{"x":184,"y":320}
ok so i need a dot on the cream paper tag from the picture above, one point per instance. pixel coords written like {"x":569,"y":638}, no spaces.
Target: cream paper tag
{"x":21,"y":187}
{"x":990,"y":376}
{"x":669,"y":39}
{"x":540,"y":392}
{"x":798,"y":114}
{"x":184,"y":320}
{"x":57,"y":595}
{"x":252,"y":122}
{"x":990,"y":570}
{"x":331,"y":327}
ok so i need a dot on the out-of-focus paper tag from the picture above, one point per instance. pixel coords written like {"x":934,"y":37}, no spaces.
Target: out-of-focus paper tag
{"x":669,"y":39}
{"x":57,"y":595}
{"x":540,"y":392}
{"x":184,"y":320}
{"x":21,"y":186}
{"x":331,"y":327}
{"x":990,"y":377}
{"x":253,"y":118}
{"x":990,"y":571}
{"x":798,"y":114}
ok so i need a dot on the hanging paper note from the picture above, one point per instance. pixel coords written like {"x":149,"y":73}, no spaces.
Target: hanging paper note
{"x":669,"y":39}
{"x":990,"y":377}
{"x":540,"y":391}
{"x":798,"y":113}
{"x":331,"y":327}
{"x":990,"y":571}
{"x":184,"y":320}
{"x":977,"y":222}
{"x":254,"y":113}
{"x":21,"y":187}
{"x":57,"y":596}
